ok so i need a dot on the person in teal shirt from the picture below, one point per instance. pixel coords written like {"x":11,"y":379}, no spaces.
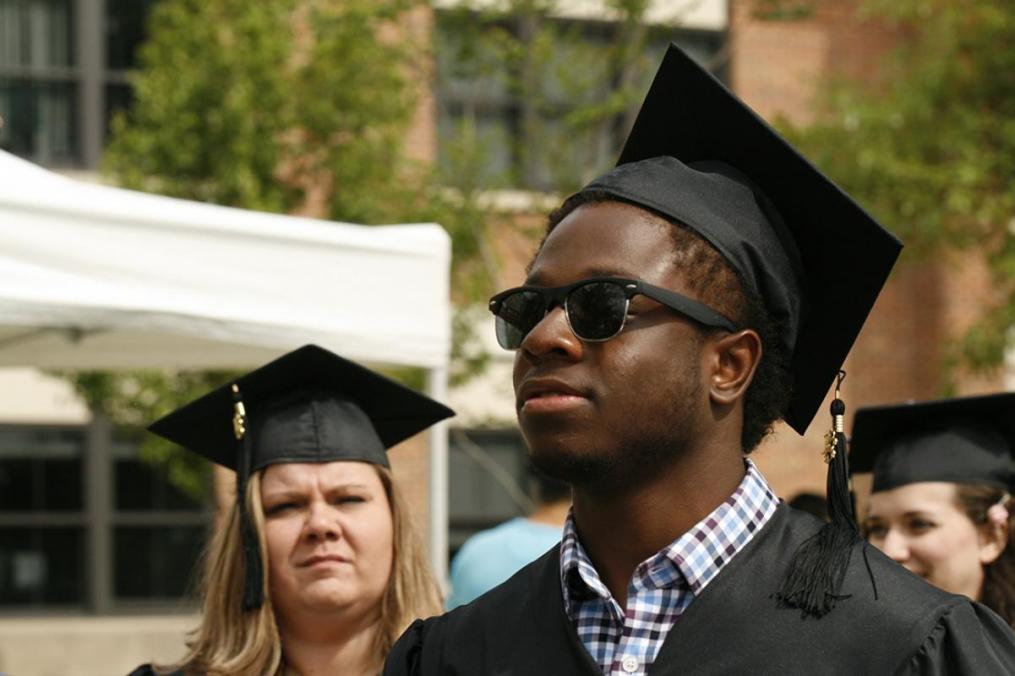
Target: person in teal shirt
{"x":492,"y":556}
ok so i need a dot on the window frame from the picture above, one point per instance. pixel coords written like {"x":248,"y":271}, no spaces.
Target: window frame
{"x":90,"y":77}
{"x":511,"y":112}
{"x":99,"y":518}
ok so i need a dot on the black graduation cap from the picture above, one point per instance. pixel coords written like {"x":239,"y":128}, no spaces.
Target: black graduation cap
{"x":965,"y":440}
{"x":309,"y":405}
{"x":700,"y":156}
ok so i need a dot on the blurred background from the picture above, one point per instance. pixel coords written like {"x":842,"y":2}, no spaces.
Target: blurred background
{"x":479,"y":116}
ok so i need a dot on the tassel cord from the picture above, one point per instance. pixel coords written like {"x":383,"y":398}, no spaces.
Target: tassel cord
{"x":814,"y":578}
{"x":253,"y":574}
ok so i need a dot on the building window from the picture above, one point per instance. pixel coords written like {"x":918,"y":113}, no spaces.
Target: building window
{"x":135,"y":543}
{"x":38,"y":80}
{"x":158,"y":531}
{"x":535,"y":141}
{"x":154,"y":563}
{"x":63,"y":75}
{"x":125,"y":27}
{"x":488,"y":481}
{"x":42,"y":521}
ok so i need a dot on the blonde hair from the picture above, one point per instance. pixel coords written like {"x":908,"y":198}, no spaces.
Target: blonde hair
{"x":412,"y":591}
{"x":228,"y":641}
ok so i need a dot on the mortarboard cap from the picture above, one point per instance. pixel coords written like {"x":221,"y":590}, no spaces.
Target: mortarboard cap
{"x":700,"y":156}
{"x":309,"y":405}
{"x":965,"y":440}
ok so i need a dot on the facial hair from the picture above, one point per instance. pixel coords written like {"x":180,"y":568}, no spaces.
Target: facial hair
{"x":643,"y":453}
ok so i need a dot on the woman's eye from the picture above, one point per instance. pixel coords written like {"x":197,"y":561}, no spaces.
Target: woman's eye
{"x":874,"y":531}
{"x":920,"y":525}
{"x":349,"y":499}
{"x":280,"y":508}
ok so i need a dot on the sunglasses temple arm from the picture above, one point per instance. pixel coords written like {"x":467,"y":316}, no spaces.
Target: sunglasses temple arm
{"x":689,"y":307}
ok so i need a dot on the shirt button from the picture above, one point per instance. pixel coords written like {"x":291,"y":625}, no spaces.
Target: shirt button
{"x":629,"y":664}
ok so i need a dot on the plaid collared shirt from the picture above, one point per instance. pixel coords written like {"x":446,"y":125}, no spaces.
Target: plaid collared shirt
{"x":663,"y":586}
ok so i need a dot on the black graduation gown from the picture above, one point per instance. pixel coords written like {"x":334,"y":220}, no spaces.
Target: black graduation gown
{"x":733,"y":627}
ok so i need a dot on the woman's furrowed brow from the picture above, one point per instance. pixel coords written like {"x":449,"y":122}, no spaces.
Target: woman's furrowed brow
{"x":346,"y":486}
{"x":282,"y":494}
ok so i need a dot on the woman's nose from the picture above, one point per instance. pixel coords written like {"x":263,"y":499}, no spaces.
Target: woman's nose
{"x":896,"y":546}
{"x":322,"y":523}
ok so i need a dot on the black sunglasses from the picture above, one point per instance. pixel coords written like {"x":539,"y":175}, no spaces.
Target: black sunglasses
{"x":596,"y":308}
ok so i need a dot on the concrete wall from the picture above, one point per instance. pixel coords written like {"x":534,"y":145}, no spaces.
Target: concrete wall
{"x":89,"y":646}
{"x":28,"y":396}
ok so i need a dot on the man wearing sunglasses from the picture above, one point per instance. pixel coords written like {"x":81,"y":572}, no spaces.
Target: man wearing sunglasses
{"x":680,"y":304}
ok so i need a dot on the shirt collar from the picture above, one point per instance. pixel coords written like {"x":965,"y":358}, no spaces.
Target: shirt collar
{"x":698,"y":555}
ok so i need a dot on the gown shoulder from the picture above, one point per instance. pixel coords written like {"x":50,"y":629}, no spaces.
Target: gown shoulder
{"x":967,"y":639}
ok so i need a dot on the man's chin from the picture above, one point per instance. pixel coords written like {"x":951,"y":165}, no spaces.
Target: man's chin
{"x":565,"y":464}
{"x":596,"y":469}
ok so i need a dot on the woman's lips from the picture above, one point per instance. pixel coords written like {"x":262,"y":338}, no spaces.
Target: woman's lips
{"x":324,"y":561}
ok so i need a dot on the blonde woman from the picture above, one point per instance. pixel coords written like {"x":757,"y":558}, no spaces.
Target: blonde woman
{"x":318,"y":569}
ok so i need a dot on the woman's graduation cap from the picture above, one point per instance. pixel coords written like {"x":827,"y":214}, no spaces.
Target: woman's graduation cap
{"x":966,"y":440}
{"x":309,"y":405}
{"x":700,"y":156}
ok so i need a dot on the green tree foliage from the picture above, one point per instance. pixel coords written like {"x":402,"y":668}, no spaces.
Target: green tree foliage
{"x":932,"y":152}
{"x":259,"y":104}
{"x":289,"y":105}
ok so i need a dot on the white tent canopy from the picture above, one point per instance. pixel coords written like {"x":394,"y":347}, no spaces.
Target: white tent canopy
{"x":93,"y":276}
{"x":98,"y":277}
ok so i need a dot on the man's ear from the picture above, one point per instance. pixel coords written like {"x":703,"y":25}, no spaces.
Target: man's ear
{"x":733,"y":358}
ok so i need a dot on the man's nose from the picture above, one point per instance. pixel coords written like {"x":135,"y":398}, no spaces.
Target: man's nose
{"x":552,"y":335}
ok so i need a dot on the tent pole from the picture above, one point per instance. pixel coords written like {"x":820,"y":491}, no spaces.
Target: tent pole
{"x":437,"y":388}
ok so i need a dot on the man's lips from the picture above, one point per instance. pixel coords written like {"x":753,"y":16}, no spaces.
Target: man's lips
{"x":548,"y":395}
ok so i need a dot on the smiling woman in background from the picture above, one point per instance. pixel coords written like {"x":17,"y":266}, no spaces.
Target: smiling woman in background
{"x":317,"y":570}
{"x":941,"y":503}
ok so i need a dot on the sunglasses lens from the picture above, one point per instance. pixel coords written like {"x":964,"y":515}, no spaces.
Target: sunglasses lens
{"x":517,"y":315}
{"x":596,"y":310}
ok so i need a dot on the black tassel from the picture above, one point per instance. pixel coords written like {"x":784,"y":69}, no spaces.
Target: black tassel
{"x":814,"y":579}
{"x":253,"y":574}
{"x":253,"y":589}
